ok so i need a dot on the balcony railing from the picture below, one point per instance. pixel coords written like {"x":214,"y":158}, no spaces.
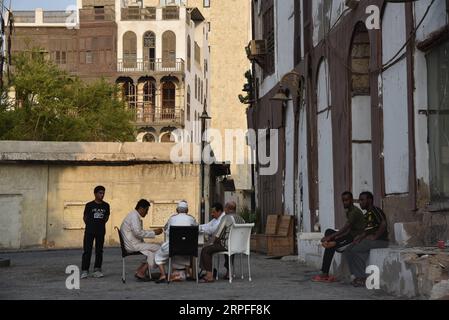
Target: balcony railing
{"x":170,"y":13}
{"x":24,"y":16}
{"x":136,"y":14}
{"x":93,"y":15}
{"x":146,"y":114}
{"x":57,"y":16}
{"x":154,"y":65}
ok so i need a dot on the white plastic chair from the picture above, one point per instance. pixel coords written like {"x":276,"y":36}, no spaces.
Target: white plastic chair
{"x":238,"y":243}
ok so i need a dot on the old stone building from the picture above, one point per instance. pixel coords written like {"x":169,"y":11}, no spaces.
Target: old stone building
{"x":367,"y":85}
{"x":157,"y":53}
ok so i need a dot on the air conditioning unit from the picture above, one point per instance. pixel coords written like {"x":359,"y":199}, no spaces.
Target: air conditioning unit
{"x":257,"y":47}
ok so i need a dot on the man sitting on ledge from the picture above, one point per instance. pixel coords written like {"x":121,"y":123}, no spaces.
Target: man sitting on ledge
{"x":333,"y":240}
{"x":374,"y":236}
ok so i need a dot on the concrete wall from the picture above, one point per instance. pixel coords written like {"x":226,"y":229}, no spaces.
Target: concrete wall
{"x":289,"y":175}
{"x":42,"y":201}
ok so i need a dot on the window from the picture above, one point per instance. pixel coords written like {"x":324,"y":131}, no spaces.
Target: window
{"x":189,"y":53}
{"x":438,"y":121}
{"x":206,"y":3}
{"x":188,"y":103}
{"x":169,"y":49}
{"x":196,"y":87}
{"x":60,"y":57}
{"x":149,"y":50}
{"x":129,"y":49}
{"x":99,"y":12}
{"x":268,"y":35}
{"x":89,"y":57}
{"x":168,"y":100}
{"x":197,"y":53}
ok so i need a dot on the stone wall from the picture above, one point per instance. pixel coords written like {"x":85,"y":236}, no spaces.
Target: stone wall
{"x":44,"y":187}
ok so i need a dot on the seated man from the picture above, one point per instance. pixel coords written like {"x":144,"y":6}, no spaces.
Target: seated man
{"x":219,"y":241}
{"x":374,"y":236}
{"x":134,"y":235}
{"x":217,"y":214}
{"x":333,"y":240}
{"x":180,"y":218}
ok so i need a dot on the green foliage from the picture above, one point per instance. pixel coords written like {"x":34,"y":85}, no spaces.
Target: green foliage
{"x":249,"y":217}
{"x":248,"y":88}
{"x":51,"y":105}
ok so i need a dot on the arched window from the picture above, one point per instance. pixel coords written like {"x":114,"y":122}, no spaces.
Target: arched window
{"x":189,"y":53}
{"x":130,"y":50}
{"x":149,"y":50}
{"x":168,"y":49}
{"x":149,"y":100}
{"x":188,"y":103}
{"x":168,"y":100}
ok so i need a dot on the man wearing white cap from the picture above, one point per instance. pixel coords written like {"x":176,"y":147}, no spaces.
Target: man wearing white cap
{"x":179,"y":219}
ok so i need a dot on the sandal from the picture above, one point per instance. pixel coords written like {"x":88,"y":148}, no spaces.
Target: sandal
{"x":164,"y":280}
{"x":358,"y":282}
{"x":145,"y":279}
{"x":205,"y":280}
{"x":323,"y":278}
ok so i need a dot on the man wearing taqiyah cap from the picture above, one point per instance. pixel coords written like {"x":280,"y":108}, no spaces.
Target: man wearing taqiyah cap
{"x":179,"y":219}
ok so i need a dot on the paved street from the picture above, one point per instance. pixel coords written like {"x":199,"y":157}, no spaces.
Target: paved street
{"x":41,"y":275}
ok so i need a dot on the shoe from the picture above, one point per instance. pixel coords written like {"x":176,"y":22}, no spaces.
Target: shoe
{"x":84,"y":274}
{"x":161,"y":281}
{"x":323,"y":278}
{"x":98,"y":274}
{"x":145,"y":279}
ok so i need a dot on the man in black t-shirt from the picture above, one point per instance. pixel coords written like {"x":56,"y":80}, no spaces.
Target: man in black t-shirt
{"x":374,"y":236}
{"x":96,"y":214}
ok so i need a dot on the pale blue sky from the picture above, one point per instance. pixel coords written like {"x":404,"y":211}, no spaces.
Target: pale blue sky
{"x":45,"y":4}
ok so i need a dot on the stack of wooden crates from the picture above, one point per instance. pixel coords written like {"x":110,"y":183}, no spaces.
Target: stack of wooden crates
{"x":278,"y":239}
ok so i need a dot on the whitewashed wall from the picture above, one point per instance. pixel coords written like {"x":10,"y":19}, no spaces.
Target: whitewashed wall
{"x":325,"y":154}
{"x":303,"y":180}
{"x":362,"y":161}
{"x":394,"y":91}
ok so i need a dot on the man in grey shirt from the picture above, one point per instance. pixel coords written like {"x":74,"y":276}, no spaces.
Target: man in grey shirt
{"x":220,"y":240}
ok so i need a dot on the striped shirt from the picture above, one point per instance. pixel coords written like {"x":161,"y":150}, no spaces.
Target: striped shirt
{"x":224,"y":228}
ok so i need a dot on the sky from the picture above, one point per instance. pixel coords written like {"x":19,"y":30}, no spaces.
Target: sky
{"x":45,"y":4}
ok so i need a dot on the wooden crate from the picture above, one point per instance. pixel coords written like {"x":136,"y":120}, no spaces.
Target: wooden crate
{"x":282,"y":243}
{"x":270,"y":229}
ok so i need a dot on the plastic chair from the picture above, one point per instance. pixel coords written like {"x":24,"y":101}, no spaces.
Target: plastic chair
{"x":238,"y":243}
{"x":183,"y":241}
{"x":125,"y":254}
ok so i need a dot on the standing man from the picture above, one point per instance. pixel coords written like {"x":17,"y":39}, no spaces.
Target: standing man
{"x":374,"y":236}
{"x":96,"y":214}
{"x":336,"y":239}
{"x":133,"y":235}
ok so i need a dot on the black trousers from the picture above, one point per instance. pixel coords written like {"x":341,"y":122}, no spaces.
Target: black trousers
{"x":87,"y":246}
{"x":330,"y":252}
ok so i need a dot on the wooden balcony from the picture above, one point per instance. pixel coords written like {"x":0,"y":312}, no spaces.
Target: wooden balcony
{"x":148,"y":115}
{"x":96,"y":15}
{"x":139,"y":14}
{"x":151,"y":66}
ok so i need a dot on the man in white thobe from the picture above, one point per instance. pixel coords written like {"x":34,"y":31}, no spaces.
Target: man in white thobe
{"x":179,"y":219}
{"x":134,"y":235}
